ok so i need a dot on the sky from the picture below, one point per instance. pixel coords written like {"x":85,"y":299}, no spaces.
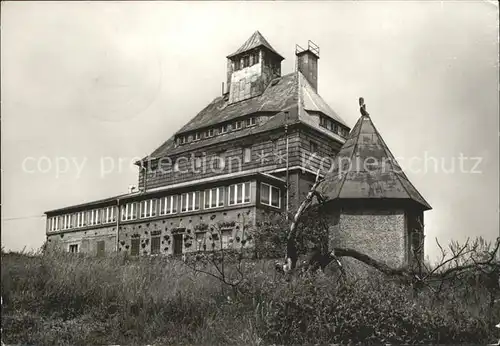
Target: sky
{"x":86,"y":87}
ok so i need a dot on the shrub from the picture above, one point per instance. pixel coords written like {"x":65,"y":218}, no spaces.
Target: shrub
{"x":322,"y":310}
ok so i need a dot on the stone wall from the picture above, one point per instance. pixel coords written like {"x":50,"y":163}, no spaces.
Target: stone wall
{"x":85,"y":239}
{"x":379,"y":234}
{"x":192,"y":227}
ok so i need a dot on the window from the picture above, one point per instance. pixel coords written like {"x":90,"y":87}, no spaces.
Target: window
{"x":209,"y":133}
{"x":73,"y":248}
{"x":334,"y":128}
{"x":129,"y":211}
{"x":219,"y":160}
{"x":223,"y":129}
{"x":168,"y":205}
{"x":226,"y":235}
{"x":100,"y":248}
{"x":197,"y":162}
{"x":270,"y":195}
{"x":239,"y":193}
{"x":313,"y":146}
{"x":330,"y":125}
{"x":197,"y":136}
{"x":54,"y":223}
{"x":251,"y":121}
{"x":148,"y":208}
{"x":238,"y":125}
{"x":237,"y":65}
{"x":109,"y":214}
{"x":94,"y":217}
{"x":134,"y":246}
{"x":155,"y":245}
{"x":66,"y":222}
{"x":214,"y":197}
{"x":247,"y":155}
{"x":256,"y":57}
{"x":182,"y":139}
{"x":200,"y":239}
{"x":190,"y":201}
{"x":322,"y":121}
{"x":246,"y":61}
{"x":80,"y":219}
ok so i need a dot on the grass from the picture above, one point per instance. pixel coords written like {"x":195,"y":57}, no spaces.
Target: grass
{"x":61,"y":298}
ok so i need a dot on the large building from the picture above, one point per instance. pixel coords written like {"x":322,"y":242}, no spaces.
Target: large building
{"x":253,"y":150}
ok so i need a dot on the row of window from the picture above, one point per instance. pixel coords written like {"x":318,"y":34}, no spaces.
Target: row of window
{"x":186,"y":202}
{"x":222,"y":129}
{"x":329,"y":124}
{"x":84,"y":218}
{"x":246,"y":61}
{"x":217,"y":161}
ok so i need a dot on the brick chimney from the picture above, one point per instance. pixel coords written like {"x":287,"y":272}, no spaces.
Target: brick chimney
{"x":307,"y":62}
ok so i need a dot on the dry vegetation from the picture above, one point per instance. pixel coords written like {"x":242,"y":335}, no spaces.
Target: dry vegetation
{"x":58,"y":298}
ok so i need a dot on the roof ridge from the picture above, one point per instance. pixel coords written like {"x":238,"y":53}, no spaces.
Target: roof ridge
{"x":254,"y":41}
{"x":352,"y":153}
{"x":387,"y":152}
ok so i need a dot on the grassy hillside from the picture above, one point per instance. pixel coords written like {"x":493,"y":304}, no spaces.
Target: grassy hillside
{"x":75,"y":299}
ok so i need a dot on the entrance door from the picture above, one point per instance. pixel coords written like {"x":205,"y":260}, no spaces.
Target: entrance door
{"x":177,"y":244}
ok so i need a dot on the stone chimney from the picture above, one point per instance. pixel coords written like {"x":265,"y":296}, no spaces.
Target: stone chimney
{"x":307,"y":62}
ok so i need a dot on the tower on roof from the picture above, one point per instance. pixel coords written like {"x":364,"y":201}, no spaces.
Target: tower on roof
{"x":251,"y":68}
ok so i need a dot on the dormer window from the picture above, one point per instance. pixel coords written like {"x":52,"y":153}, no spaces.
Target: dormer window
{"x":223,"y":129}
{"x":209,"y":133}
{"x":182,"y":139}
{"x":238,"y":125}
{"x":330,"y":125}
{"x":251,"y":121}
{"x":197,"y":136}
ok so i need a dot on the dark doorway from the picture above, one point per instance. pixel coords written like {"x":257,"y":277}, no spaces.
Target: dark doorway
{"x":100,"y":248}
{"x":178,"y":244}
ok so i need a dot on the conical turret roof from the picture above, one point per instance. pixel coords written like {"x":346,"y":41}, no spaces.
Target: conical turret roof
{"x":365,"y":168}
{"x":256,"y":40}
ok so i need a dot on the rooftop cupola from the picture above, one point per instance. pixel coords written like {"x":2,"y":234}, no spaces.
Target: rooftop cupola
{"x":307,"y":62}
{"x":251,"y":68}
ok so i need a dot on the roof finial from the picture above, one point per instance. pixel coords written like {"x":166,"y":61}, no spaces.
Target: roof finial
{"x":362,"y":107}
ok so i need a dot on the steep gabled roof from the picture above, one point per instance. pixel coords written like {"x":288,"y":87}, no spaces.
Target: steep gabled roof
{"x":291,"y":93}
{"x":256,"y":40}
{"x":365,"y":168}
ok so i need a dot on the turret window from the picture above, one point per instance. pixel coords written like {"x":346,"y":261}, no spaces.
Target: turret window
{"x":256,"y":58}
{"x":246,"y":61}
